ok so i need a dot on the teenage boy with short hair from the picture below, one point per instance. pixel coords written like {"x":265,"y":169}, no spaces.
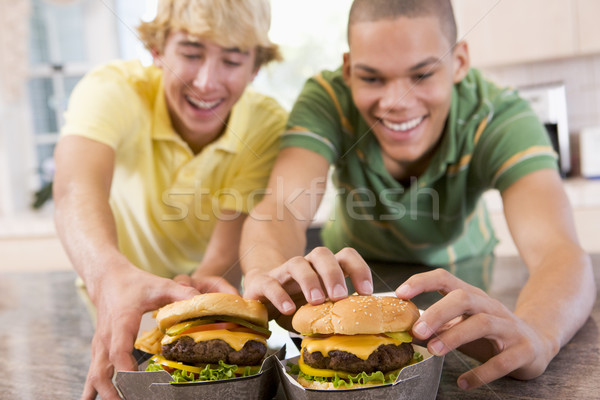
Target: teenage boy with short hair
{"x":416,"y":137}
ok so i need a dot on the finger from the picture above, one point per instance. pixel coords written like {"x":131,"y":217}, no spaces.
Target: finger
{"x":455,"y":304}
{"x":211,"y":284}
{"x":270,"y":289}
{"x":184,"y":280}
{"x":89,"y":392}
{"x":303,"y":272}
{"x":438,"y":280}
{"x":125,"y":329}
{"x":357,"y":269}
{"x":495,"y":368}
{"x":467,"y":331}
{"x":167,"y":292}
{"x":99,"y":378}
{"x":100,"y":385}
{"x":328,"y":269}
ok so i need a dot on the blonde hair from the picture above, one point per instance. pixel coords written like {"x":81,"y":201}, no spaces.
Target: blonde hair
{"x":243,"y":24}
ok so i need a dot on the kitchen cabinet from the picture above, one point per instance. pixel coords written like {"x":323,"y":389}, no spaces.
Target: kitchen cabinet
{"x":504,"y":32}
{"x":587,"y":13}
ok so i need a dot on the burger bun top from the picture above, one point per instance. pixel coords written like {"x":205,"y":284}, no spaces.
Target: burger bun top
{"x":208,"y":304}
{"x":357,"y":315}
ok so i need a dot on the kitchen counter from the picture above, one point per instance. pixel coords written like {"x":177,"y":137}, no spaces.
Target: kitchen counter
{"x":46,"y":334}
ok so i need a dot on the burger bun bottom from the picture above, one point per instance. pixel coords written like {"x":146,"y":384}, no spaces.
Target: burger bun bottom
{"x":329,"y":385}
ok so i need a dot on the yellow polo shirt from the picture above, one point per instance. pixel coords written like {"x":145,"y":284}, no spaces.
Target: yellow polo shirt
{"x":165,"y":199}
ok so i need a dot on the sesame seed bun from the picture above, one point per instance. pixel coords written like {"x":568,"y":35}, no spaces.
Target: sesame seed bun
{"x":357,"y":315}
{"x":209,"y":304}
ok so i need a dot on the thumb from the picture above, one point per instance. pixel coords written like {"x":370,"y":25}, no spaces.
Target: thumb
{"x":182,"y":292}
{"x":211,"y":284}
{"x":172,"y":292}
{"x":121,"y":356}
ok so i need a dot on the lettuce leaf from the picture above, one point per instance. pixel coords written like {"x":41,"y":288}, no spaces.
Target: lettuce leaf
{"x":208,"y":373}
{"x":360,"y":378}
{"x":417,"y":357}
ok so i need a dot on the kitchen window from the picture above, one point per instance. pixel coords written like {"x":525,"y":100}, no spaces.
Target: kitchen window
{"x":65,"y":39}
{"x":57,"y":60}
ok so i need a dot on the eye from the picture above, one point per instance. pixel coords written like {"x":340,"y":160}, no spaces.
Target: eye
{"x":370,"y":79}
{"x":232,"y":63}
{"x":191,"y":56}
{"x":422,"y":77}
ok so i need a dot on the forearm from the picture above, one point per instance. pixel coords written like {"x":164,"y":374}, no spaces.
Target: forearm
{"x":559,"y":295}
{"x":269,"y":241}
{"x":560,"y":292}
{"x":221,"y":256}
{"x":86,"y":228}
{"x":275,"y":230}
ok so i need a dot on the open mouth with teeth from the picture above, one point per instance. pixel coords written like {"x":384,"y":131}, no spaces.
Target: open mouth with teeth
{"x":203,"y":105}
{"x":402,"y":126}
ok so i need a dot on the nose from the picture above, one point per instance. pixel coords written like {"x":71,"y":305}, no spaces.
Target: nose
{"x":207,"y":76}
{"x":397,"y":94}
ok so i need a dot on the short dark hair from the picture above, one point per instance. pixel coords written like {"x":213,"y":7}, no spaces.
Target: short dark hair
{"x":375,"y":10}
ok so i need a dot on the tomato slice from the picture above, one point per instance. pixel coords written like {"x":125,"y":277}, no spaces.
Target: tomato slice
{"x":209,"y":327}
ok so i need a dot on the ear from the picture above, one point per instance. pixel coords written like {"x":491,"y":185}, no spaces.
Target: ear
{"x":254,"y":73}
{"x":461,"y":60}
{"x":156,"y":58}
{"x":346,"y":68}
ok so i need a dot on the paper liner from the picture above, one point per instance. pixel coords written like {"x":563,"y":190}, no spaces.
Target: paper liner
{"x":418,"y":381}
{"x":155,"y":385}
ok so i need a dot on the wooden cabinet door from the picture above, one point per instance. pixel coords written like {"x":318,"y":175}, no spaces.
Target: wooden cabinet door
{"x":502,"y":32}
{"x":587,"y":17}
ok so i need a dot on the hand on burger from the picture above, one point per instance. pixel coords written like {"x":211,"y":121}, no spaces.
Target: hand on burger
{"x":467,"y":319}
{"x":318,"y":276}
{"x":121,"y":297}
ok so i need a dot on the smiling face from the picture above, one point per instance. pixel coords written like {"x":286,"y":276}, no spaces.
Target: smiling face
{"x":401,"y":73}
{"x":202,"y":82}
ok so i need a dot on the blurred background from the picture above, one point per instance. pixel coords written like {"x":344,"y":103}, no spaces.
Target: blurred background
{"x":548,"y":49}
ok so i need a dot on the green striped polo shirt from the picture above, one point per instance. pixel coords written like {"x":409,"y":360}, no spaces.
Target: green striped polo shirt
{"x":491,"y":139}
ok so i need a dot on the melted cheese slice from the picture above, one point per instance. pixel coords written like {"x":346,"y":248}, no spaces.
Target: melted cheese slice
{"x":326,"y":373}
{"x":236,"y":340}
{"x":360,"y":345}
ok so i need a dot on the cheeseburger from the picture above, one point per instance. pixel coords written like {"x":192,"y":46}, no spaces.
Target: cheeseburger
{"x":354,"y":342}
{"x":209,"y":337}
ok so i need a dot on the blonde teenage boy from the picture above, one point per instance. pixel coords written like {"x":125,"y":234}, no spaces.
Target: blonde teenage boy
{"x":157,"y":168}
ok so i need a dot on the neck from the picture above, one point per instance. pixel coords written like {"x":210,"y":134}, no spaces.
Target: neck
{"x":404,"y":171}
{"x":196,"y":141}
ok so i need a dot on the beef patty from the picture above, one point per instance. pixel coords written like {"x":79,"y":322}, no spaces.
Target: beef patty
{"x":386,"y":358}
{"x":186,"y":350}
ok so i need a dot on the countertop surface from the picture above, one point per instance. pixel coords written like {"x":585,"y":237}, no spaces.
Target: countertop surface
{"x":46,"y":334}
